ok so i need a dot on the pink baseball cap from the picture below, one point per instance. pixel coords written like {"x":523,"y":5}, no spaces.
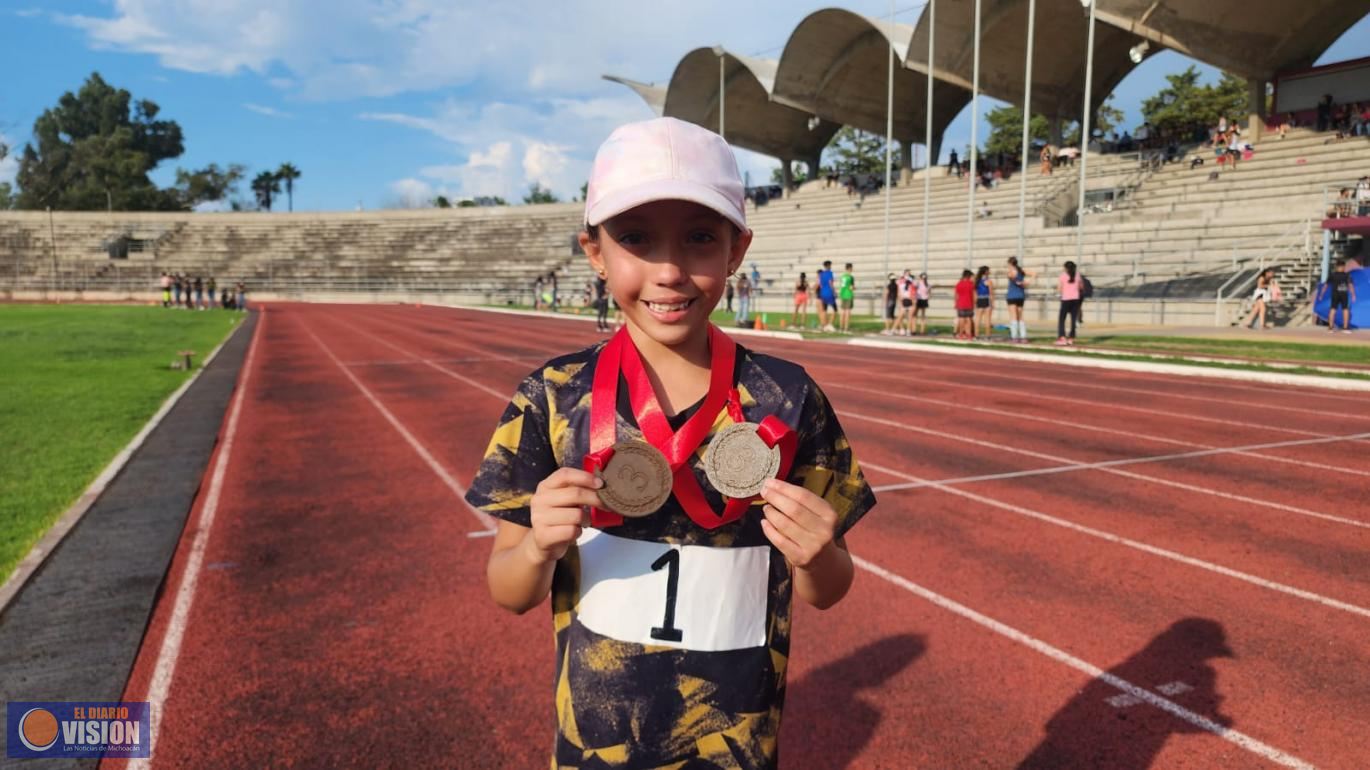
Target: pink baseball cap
{"x":664,"y":159}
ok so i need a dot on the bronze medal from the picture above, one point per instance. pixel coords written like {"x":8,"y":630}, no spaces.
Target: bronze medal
{"x":739,"y":462}
{"x":637,"y":479}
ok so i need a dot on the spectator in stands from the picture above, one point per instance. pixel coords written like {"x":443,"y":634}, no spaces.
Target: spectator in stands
{"x":1070,"y":284}
{"x":756,"y":280}
{"x":800,"y":318}
{"x":744,"y":299}
{"x":1363,"y":196}
{"x":1045,"y":158}
{"x":984,"y":212}
{"x":954,"y":165}
{"x":891,"y":303}
{"x":846,"y":295}
{"x":602,"y":303}
{"x":1260,"y":300}
{"x":984,"y":303}
{"x":210,"y":287}
{"x":922,"y":292}
{"x":1016,"y":297}
{"x":1234,"y":145}
{"x":1343,"y":294}
{"x":1325,"y":113}
{"x":166,"y":289}
{"x":1343,"y":206}
{"x":965,"y":306}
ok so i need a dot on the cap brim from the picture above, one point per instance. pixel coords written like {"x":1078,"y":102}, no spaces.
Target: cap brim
{"x":664,"y":190}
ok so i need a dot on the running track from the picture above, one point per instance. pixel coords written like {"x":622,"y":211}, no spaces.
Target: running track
{"x":1066,"y":568}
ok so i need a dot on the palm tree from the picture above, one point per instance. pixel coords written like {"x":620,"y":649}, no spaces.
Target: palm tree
{"x":288,"y":174}
{"x":265,"y":185}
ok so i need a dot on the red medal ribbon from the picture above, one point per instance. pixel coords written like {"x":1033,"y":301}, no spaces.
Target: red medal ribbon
{"x":620,"y":354}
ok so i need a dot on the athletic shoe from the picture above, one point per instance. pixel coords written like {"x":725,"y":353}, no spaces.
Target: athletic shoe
{"x":1061,"y":342}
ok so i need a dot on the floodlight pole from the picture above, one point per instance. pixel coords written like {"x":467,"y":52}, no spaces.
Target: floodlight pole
{"x":1084,"y":141}
{"x":1027,"y":120}
{"x":721,"y":92}
{"x":927,"y":139}
{"x":889,"y":138}
{"x":974,"y":141}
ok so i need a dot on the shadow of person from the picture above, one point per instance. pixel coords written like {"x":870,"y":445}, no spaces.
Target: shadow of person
{"x":827,"y":719}
{"x":1106,"y":727}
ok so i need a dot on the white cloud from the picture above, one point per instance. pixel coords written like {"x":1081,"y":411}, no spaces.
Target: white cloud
{"x":9,"y":166}
{"x":412,"y":193}
{"x":270,"y":112}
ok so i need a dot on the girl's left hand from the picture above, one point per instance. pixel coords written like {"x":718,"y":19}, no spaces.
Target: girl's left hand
{"x":797,"y":522}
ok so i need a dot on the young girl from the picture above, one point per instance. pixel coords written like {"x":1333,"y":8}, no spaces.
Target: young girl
{"x":800,"y":318}
{"x":965,"y":306}
{"x":984,"y":303}
{"x":1016,"y":297}
{"x":1260,"y":300}
{"x":1069,"y":283}
{"x":922,"y":291}
{"x":891,"y":303}
{"x":672,"y":625}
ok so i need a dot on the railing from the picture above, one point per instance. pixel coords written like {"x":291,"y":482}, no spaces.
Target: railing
{"x":1297,"y":237}
{"x":1357,"y":205}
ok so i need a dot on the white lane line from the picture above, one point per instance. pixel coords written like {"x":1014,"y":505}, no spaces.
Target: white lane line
{"x":1321,"y":467}
{"x":1036,"y":395}
{"x":439,"y":367}
{"x":1089,"y":669}
{"x":1105,"y":466}
{"x":1299,"y":593}
{"x":163,"y":671}
{"x":486,"y":522}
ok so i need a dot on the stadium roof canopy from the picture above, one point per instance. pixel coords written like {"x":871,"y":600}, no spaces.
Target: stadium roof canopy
{"x":834,"y":64}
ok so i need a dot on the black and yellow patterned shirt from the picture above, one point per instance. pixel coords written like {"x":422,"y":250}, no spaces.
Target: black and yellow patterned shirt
{"x":699,"y":681}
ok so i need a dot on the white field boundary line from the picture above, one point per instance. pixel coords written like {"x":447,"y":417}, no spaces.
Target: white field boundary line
{"x":47,"y":544}
{"x":1320,"y":413}
{"x":1110,"y":537}
{"x":487,"y":523}
{"x":1244,"y":451}
{"x":511,"y":311}
{"x":1061,"y":656}
{"x":159,"y":686}
{"x":1068,"y":464}
{"x":1275,"y":378}
{"x":1171,"y":707}
{"x":1136,"y":461}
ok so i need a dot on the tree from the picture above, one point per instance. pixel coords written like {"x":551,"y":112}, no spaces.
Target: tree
{"x":208,"y":185}
{"x":539,"y":194}
{"x":1183,"y":107}
{"x":6,"y":192}
{"x":799,"y":173}
{"x":288,"y":174}
{"x":92,"y":152}
{"x":265,"y":186}
{"x":853,"y":151}
{"x":442,"y":202}
{"x":1006,"y":130}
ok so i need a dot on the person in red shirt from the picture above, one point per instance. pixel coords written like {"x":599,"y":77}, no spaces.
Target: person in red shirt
{"x":965,"y":306}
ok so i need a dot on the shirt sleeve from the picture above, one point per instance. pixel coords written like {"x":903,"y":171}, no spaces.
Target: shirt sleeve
{"x":824,"y":463}
{"x":518,"y":457}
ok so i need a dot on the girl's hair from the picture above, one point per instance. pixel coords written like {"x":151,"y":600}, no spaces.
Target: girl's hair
{"x":966,"y":274}
{"x":982,"y":274}
{"x":1070,"y":270}
{"x":1013,"y":261}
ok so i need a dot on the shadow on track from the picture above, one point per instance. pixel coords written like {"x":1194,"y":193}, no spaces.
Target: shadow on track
{"x":827,"y":720}
{"x":1105,"y":727}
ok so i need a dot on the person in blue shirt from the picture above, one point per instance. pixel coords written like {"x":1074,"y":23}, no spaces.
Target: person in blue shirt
{"x":827,"y":298}
{"x":1016,"y":297}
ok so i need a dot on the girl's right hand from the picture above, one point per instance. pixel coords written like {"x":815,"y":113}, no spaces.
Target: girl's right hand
{"x":559,"y":511}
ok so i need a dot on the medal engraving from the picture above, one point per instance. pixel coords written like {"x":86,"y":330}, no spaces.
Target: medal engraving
{"x":739,"y":462}
{"x":637,"y":479}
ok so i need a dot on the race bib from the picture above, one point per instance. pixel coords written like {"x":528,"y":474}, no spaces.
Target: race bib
{"x":691,"y":597}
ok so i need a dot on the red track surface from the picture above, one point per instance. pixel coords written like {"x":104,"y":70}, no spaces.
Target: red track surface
{"x":340,"y":615}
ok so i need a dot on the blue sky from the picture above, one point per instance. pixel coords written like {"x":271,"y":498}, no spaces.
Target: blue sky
{"x":388,"y":102}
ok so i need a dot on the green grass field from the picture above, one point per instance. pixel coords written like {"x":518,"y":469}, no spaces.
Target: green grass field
{"x":78,"y":383}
